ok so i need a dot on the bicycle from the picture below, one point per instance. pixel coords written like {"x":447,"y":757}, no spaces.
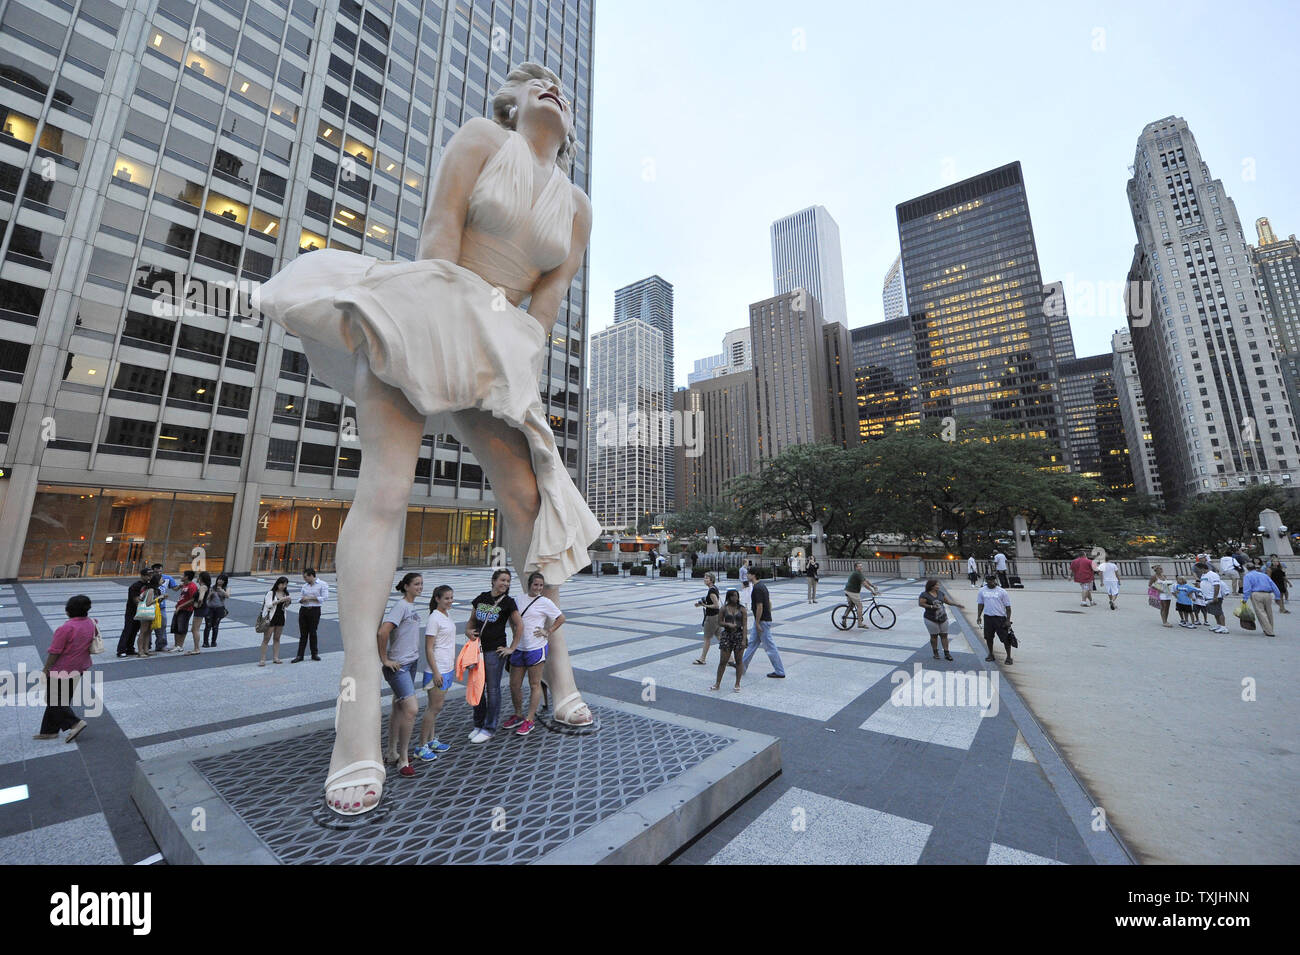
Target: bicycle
{"x":845,"y":616}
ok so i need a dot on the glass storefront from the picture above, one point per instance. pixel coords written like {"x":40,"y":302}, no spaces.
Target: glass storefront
{"x":108,"y":532}
{"x":294,"y":533}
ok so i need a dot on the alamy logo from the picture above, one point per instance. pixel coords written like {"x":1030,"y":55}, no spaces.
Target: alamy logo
{"x":75,"y":907}
{"x":950,"y":688}
{"x":623,"y":428}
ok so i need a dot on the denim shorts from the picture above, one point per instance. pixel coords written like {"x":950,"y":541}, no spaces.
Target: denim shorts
{"x":443,"y":682}
{"x":528,"y":658}
{"x":402,"y":680}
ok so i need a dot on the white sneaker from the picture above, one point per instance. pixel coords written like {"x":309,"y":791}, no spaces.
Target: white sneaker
{"x":472,"y":733}
{"x":1219,"y":630}
{"x":480,"y":736}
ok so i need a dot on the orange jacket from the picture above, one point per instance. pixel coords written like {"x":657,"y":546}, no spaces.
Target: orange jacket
{"x":469,"y":670}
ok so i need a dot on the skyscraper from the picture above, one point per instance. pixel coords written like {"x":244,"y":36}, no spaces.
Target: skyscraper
{"x":884,"y":366}
{"x":792,"y":381}
{"x":651,"y":301}
{"x":893,"y":296}
{"x":983,"y":343}
{"x":627,"y":433}
{"x":1133,"y":413}
{"x":156,"y":152}
{"x":706,"y":367}
{"x":1094,"y":426}
{"x":1215,"y":392}
{"x":1277,"y":269}
{"x":727,"y":448}
{"x":1058,"y":321}
{"x":806,"y":254}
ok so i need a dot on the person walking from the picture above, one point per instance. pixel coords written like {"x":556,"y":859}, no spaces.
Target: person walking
{"x":439,"y":670}
{"x":273,"y":606}
{"x":1258,"y":588}
{"x":1161,"y":588}
{"x":1000,"y":565}
{"x":994,"y":609}
{"x":218,"y":597}
{"x":761,"y":606}
{"x":539,"y":618}
{"x":1243,"y":562}
{"x":489,"y":614}
{"x":743,"y":573}
{"x":66,"y":664}
{"x":399,"y":653}
{"x":1081,"y":569}
{"x":1277,"y":573}
{"x":166,"y":587}
{"x":1213,"y":591}
{"x":972,"y":572}
{"x":731,"y":639}
{"x":131,"y":626}
{"x":932,"y":601}
{"x":711,"y":604}
{"x":853,"y":592}
{"x":811,"y":570}
{"x":1110,"y":577}
{"x":311,"y":597}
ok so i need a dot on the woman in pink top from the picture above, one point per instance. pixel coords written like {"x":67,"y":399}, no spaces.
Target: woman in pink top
{"x":68,"y":659}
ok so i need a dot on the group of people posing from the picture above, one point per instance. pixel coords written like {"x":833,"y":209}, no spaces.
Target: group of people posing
{"x":200,"y":604}
{"x":1199,"y":599}
{"x":433,"y":665}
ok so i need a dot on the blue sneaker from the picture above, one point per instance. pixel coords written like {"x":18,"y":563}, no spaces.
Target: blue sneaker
{"x":438,"y":746}
{"x":426,"y":753}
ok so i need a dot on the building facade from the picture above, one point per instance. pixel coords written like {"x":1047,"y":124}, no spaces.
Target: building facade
{"x":791,"y":381}
{"x":983,"y":343}
{"x":1277,"y":270}
{"x":841,"y":385}
{"x":806,"y":254}
{"x":651,"y":301}
{"x":705,"y":368}
{"x":1211,"y":375}
{"x":1094,"y":424}
{"x":154,"y":155}
{"x":1058,"y":321}
{"x":729,"y":416}
{"x":886,"y":378}
{"x":893,"y":296}
{"x":628,"y":438}
{"x":1133,"y":414}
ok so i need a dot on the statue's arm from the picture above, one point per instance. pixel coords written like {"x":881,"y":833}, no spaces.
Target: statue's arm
{"x":552,"y":286}
{"x":458,"y":171}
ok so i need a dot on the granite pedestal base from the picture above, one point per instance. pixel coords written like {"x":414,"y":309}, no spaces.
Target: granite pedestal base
{"x":635,"y":792}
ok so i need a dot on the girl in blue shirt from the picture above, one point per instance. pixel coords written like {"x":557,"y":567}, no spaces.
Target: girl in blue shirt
{"x":1183,"y":595}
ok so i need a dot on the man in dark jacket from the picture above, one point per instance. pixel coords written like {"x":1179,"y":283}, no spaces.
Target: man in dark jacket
{"x":126,"y":642}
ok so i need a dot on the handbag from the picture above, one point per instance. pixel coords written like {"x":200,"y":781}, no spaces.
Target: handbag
{"x":260,"y":625}
{"x":1153,"y":597}
{"x":1011,"y":640}
{"x":96,"y":644}
{"x":144,"y":611}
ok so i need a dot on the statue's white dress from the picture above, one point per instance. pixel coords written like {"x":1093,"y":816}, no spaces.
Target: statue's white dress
{"x":447,"y":338}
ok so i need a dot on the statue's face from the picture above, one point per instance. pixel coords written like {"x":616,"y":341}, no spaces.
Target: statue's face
{"x":538,"y":97}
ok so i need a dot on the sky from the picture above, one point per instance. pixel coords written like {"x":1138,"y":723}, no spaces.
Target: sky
{"x":710,"y":120}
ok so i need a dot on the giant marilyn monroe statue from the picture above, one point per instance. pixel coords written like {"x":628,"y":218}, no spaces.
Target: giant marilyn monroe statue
{"x":441,"y":345}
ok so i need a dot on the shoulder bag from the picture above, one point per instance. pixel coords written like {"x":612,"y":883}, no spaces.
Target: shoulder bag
{"x":97,"y":643}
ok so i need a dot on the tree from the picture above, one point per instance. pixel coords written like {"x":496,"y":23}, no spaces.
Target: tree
{"x":1215,"y":523}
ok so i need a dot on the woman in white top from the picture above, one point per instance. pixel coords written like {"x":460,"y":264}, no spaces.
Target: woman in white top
{"x":1164,"y":591}
{"x":439,"y":670}
{"x":541,"y":617}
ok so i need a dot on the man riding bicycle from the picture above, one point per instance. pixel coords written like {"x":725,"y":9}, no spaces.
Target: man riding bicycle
{"x":853,"y":591}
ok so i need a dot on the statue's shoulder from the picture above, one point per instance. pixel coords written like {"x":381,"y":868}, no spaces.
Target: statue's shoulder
{"x":581,"y":204}
{"x":479,"y":134}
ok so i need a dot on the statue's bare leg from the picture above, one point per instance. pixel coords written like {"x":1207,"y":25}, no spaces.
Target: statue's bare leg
{"x":389,"y":430}
{"x":503,"y":453}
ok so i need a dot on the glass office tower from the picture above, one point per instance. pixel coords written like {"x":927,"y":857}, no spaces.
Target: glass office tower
{"x":159,"y":158}
{"x":975,"y":290}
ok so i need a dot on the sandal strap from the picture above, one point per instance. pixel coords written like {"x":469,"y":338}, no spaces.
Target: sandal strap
{"x":352,"y":768}
{"x":559,"y":708}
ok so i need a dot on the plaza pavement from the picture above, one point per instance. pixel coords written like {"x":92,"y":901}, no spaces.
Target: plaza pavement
{"x":1156,"y":723}
{"x":863,"y":780}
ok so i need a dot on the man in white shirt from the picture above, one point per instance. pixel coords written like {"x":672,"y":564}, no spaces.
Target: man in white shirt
{"x":993,"y":608}
{"x":1110,"y":580}
{"x":973,"y":572}
{"x":1000,"y":565}
{"x":313,"y":594}
{"x":1230,"y":571}
{"x":1213,"y":592}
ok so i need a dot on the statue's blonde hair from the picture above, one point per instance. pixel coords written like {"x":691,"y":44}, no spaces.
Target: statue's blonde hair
{"x":507,"y":97}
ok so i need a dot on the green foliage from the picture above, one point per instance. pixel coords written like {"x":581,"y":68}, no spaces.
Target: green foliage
{"x":1216,"y":523}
